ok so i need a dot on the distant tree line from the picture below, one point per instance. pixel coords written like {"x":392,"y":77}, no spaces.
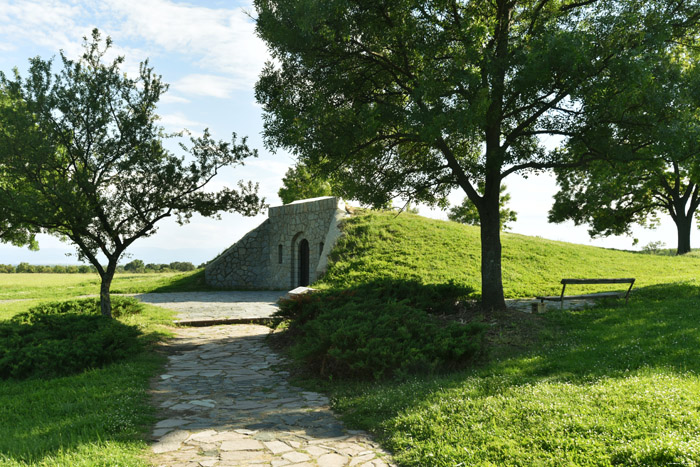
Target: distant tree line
{"x":135,"y":266}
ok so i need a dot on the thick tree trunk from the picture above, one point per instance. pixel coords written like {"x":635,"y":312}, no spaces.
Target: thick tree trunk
{"x":683,"y":225}
{"x":491,"y":282}
{"x":105,"y":300}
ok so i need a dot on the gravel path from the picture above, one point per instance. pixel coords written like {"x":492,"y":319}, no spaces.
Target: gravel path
{"x":225,"y":402}
{"x":213,"y":306}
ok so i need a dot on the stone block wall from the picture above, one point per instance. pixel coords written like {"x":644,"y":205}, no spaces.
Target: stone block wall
{"x":245,"y":264}
{"x":269,"y":256}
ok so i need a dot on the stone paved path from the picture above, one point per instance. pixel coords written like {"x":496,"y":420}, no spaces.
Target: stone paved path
{"x":203,"y":306}
{"x":525,"y":304}
{"x":226,"y":402}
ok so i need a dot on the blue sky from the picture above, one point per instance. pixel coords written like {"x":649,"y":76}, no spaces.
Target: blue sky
{"x":208,"y":52}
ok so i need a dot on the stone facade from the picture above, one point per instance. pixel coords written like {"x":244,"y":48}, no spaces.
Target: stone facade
{"x":289,"y":249}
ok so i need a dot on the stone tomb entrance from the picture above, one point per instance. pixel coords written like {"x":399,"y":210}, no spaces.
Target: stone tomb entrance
{"x":303,"y":263}
{"x":287,"y":250}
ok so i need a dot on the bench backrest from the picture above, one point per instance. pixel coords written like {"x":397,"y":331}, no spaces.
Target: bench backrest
{"x":597,"y":281}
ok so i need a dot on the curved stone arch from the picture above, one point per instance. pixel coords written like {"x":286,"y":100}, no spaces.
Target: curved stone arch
{"x":294,"y":263}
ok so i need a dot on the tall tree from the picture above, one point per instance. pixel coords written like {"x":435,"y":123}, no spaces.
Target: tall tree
{"x":300,"y":182}
{"x":82,"y":157}
{"x":650,"y":130}
{"x":466,"y":213}
{"x":11,"y":231}
{"x":413,"y":98}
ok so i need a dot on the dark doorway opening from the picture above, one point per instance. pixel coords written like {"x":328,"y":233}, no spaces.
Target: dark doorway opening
{"x":304,"y":263}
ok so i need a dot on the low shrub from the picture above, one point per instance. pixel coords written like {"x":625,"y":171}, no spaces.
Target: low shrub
{"x":379,"y":330}
{"x":436,"y":299}
{"x":63,"y":338}
{"x":121,"y":306}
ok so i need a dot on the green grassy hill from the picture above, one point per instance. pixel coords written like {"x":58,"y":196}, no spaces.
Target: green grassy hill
{"x":608,"y":385}
{"x":382,"y":245}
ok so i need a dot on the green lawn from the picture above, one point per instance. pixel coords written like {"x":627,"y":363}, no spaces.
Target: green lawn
{"x":64,"y":286}
{"x":100,"y":417}
{"x":610,"y":385}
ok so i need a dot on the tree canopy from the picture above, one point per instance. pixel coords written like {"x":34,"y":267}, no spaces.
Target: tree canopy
{"x":650,"y":130}
{"x":412,"y":98}
{"x":466,"y":212}
{"x":82,"y":158}
{"x":300,"y":182}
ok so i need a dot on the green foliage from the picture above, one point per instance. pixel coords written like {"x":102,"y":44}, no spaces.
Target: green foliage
{"x":58,"y":339}
{"x":412,"y":99}
{"x":610,"y":385}
{"x":38,"y":269}
{"x":121,"y":306}
{"x":379,"y":330}
{"x":651,"y":164}
{"x":467,"y":213}
{"x":135,"y":266}
{"x":653,"y":248}
{"x":104,"y":181}
{"x":95,"y":417}
{"x":301,"y":183}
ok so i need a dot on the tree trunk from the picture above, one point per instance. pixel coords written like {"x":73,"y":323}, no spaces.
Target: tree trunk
{"x":105,"y":300}
{"x":683,"y":224}
{"x":491,"y":282}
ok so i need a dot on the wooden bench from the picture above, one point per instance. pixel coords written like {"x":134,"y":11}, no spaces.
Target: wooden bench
{"x":565,"y":282}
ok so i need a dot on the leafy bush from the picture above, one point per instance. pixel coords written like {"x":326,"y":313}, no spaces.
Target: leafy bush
{"x":121,"y":306}
{"x":63,"y":338}
{"x":433,"y":298}
{"x":380,"y":329}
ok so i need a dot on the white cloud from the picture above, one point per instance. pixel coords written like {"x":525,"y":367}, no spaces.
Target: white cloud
{"x":207,"y":85}
{"x":178,"y":121}
{"x":169,"y":98}
{"x":49,"y":23}
{"x":219,"y":40}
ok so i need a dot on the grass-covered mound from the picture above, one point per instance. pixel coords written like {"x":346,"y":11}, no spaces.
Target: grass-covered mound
{"x":382,"y":245}
{"x":611,"y":385}
{"x":380,"y":329}
{"x":62,"y":338}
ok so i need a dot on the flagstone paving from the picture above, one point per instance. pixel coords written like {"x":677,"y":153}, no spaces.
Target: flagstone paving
{"x":216,"y":305}
{"x":225,"y":401}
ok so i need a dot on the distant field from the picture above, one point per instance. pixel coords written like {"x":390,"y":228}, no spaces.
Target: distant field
{"x":49,"y":286}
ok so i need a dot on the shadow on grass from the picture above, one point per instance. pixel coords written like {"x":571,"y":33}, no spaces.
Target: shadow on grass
{"x":613,"y":384}
{"x":73,"y":381}
{"x":660,"y":327}
{"x":54,"y":420}
{"x":186,"y":283}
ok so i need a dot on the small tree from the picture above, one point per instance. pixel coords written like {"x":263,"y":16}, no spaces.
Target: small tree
{"x":301,"y":183}
{"x":467,"y":213}
{"x":82,"y":158}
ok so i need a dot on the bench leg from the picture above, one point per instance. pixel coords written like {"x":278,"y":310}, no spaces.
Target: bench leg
{"x":627,"y":295}
{"x":561,"y":299}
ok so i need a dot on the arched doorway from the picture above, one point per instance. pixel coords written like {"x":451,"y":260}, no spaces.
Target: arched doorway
{"x":303,"y":263}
